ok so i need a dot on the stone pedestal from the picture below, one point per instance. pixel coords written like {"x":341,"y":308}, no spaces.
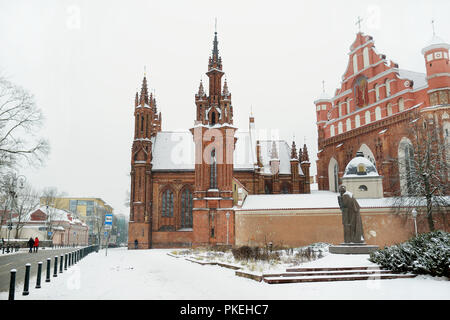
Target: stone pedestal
{"x":352,"y":248}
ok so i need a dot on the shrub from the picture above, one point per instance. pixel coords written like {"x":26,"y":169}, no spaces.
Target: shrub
{"x":428,"y":253}
{"x":254,"y":253}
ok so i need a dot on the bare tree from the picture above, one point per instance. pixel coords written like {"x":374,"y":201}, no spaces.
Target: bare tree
{"x":98,"y":221}
{"x":19,"y":120}
{"x":424,"y":171}
{"x":51,"y":199}
{"x":26,"y":200}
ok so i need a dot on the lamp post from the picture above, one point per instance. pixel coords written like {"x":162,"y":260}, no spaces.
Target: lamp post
{"x":414,"y":215}
{"x":228,"y":218}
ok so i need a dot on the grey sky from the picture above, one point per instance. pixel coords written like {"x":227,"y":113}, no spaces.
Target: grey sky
{"x":84,"y":60}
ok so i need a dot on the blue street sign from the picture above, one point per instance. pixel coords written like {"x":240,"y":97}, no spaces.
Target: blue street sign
{"x":108,"y":219}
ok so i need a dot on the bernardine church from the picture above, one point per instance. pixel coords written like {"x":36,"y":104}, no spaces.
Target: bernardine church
{"x":185,"y":186}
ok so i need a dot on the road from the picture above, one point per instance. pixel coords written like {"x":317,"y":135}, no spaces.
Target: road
{"x":20,"y":259}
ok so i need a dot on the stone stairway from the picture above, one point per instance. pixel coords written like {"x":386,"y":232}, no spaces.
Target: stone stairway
{"x":295,"y":275}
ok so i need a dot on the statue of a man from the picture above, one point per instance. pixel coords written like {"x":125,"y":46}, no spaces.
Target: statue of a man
{"x":351,"y":219}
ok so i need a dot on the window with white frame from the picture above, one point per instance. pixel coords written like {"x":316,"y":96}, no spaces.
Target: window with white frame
{"x":367,"y":116}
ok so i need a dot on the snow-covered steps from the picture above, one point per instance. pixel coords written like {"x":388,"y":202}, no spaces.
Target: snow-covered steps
{"x":295,"y":275}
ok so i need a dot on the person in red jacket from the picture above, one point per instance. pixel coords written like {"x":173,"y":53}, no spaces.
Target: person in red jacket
{"x":36,"y":244}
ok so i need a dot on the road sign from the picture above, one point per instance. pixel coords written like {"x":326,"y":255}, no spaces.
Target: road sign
{"x":108,"y":219}
{"x":106,"y":234}
{"x":108,"y":227}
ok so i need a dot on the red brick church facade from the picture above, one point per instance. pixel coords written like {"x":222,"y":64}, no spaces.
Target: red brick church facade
{"x":186,"y":185}
{"x":373,"y":109}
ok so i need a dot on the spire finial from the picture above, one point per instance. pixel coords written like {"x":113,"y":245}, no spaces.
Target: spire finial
{"x":215,"y":25}
{"x":432,"y":25}
{"x":145,"y":70}
{"x":358,"y":22}
{"x":323,"y":86}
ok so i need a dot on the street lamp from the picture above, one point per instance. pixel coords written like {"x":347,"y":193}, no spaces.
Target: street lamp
{"x":414,"y":215}
{"x":228,"y":218}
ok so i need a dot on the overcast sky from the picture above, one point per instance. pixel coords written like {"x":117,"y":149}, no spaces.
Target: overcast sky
{"x":84,"y":61}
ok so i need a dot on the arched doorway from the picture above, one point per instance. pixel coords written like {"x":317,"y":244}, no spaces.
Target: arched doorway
{"x":333,"y":175}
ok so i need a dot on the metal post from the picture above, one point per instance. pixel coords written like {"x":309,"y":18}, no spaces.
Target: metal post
{"x":65,"y":261}
{"x":61,"y":265}
{"x":26,"y":284}
{"x":12,"y":284}
{"x":228,"y":218}
{"x":55,"y":267}
{"x":38,"y":278}
{"x":47,"y":279}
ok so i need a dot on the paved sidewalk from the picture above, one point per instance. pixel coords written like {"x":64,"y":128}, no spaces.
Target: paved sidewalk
{"x":18,"y":260}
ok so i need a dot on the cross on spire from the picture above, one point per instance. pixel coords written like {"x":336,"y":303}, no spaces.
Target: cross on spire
{"x":358,"y":22}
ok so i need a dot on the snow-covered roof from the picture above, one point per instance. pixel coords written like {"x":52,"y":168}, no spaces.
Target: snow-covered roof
{"x":175,"y":150}
{"x":316,"y":199}
{"x":419,"y":79}
{"x":360,"y":167}
{"x":435,"y":43}
{"x":284,"y":155}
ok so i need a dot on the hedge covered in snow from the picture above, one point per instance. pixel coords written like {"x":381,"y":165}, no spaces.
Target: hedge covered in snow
{"x":428,"y":253}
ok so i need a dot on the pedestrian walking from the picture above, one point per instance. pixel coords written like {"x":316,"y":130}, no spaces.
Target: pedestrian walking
{"x":30,"y":244}
{"x":36,"y":244}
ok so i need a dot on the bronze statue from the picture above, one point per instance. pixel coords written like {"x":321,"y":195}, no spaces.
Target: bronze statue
{"x":351,"y":219}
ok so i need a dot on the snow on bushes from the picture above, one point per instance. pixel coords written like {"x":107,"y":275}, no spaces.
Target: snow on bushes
{"x":428,"y":253}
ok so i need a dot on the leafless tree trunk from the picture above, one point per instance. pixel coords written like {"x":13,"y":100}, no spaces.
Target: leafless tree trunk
{"x":51,"y":199}
{"x":19,"y":120}
{"x":26,"y":201}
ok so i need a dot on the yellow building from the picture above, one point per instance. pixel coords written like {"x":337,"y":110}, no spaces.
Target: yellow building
{"x":84,"y":207}
{"x":90,"y":210}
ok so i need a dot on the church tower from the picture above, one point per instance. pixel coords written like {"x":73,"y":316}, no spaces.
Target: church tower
{"x":147,"y":122}
{"x":214,"y":138}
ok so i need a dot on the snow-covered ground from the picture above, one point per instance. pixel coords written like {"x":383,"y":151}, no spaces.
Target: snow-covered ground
{"x":153,"y":274}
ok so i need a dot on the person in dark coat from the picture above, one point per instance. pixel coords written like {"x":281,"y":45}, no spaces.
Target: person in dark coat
{"x":30,"y":244}
{"x":36,"y":244}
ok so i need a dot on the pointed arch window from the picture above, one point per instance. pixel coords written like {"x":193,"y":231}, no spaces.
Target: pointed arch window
{"x":409,"y":168}
{"x":186,"y":208}
{"x":357,"y":121}
{"x":401,"y":105}
{"x":213,"y":171}
{"x":366,"y":57}
{"x":167,"y":204}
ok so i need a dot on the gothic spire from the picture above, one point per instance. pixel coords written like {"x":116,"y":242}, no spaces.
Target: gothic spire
{"x":215,"y":61}
{"x":274,"y":152}
{"x":144,"y":92}
{"x":305,"y":156}
{"x":225,"y":89}
{"x":293,"y":151}
{"x":201,"y":91}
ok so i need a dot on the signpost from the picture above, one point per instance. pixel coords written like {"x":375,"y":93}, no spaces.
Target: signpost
{"x":108,"y":226}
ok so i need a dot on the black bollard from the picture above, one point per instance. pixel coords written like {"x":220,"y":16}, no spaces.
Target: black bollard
{"x":38,"y":276}
{"x":12,"y":284}
{"x":48,"y":270}
{"x":55,"y":267}
{"x":26,"y":284}
{"x":65,"y":261}
{"x":61,"y":265}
